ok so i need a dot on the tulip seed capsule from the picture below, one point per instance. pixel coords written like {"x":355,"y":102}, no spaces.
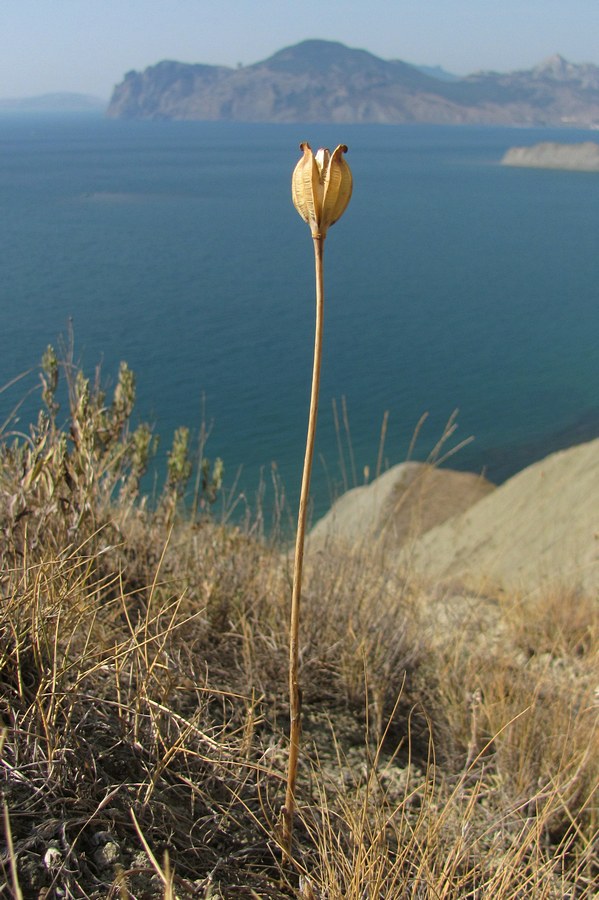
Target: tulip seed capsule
{"x":321,"y":187}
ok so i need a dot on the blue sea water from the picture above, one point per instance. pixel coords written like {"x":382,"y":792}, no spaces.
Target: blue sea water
{"x":451,"y":283}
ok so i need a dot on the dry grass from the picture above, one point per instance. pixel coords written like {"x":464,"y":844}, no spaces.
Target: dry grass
{"x":450,"y":742}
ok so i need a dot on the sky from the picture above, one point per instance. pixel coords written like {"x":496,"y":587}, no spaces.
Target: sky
{"x":87,"y":46}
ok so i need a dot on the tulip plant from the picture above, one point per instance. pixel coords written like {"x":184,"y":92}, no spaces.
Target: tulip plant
{"x":321,"y":188}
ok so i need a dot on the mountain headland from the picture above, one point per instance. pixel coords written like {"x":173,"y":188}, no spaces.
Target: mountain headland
{"x":324,"y":81}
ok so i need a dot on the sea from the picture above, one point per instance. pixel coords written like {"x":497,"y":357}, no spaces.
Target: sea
{"x":456,"y":291}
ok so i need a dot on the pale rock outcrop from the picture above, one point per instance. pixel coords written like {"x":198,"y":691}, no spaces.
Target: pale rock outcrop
{"x":583,"y":157}
{"x":403,"y":503}
{"x":539,"y":529}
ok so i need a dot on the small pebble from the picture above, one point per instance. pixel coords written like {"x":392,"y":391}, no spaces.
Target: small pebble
{"x":107,"y":855}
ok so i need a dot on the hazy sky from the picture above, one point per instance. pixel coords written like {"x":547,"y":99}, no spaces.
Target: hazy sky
{"x":88,"y":45}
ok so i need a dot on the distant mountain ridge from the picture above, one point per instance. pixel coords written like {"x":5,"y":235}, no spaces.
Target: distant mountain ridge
{"x":324,"y":81}
{"x":58,"y":102}
{"x":438,"y":73}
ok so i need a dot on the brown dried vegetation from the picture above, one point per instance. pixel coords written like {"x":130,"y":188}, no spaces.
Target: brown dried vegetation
{"x":450,"y":742}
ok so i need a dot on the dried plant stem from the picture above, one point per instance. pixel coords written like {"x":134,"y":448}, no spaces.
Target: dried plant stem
{"x":294,"y":689}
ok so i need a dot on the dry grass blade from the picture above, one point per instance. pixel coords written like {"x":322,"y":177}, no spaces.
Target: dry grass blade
{"x":16,"y":887}
{"x":166,"y":876}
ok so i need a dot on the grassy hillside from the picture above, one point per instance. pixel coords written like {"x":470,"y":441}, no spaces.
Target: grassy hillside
{"x":450,"y":744}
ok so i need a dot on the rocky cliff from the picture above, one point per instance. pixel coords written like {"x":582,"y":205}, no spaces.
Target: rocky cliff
{"x":323,"y":81}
